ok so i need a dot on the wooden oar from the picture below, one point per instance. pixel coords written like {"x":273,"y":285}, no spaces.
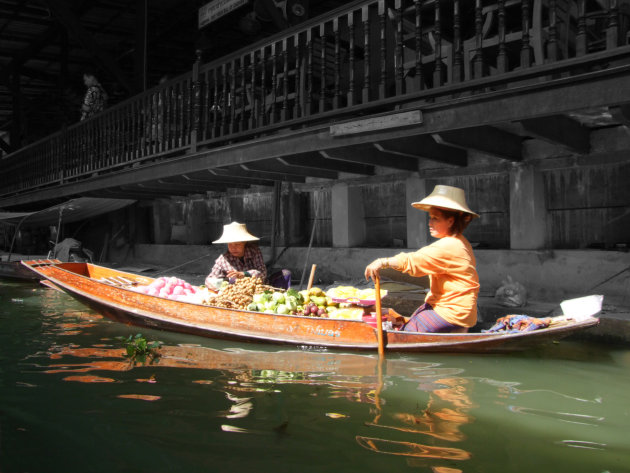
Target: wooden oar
{"x":311,"y":278}
{"x":379,"y":388}
{"x":379,"y":316}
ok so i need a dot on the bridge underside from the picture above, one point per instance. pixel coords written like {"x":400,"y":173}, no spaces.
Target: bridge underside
{"x":431,"y":137}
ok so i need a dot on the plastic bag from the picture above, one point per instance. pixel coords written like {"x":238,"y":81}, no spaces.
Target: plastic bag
{"x":511,"y":293}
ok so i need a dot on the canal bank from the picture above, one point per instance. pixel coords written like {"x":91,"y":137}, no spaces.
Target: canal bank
{"x":549,"y":277}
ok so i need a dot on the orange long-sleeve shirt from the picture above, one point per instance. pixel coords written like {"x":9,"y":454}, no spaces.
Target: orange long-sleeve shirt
{"x":450,"y":264}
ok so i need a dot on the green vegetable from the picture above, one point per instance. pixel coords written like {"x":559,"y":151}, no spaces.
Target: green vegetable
{"x":291,"y":303}
{"x":253,"y":306}
{"x":278,"y":297}
{"x":282,"y":309}
{"x":296,"y":294}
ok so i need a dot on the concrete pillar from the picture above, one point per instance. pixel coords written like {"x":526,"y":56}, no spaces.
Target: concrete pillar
{"x":417,"y":220}
{"x":528,"y":212}
{"x":291,"y":209}
{"x":161,"y":222}
{"x":348,"y":222}
{"x":197,"y":223}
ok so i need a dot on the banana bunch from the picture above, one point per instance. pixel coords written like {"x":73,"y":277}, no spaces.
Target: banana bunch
{"x":343,"y":292}
{"x":369,"y":294}
{"x":351,"y":293}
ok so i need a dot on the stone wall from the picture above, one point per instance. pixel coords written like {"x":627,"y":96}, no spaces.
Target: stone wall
{"x":557,"y":222}
{"x":549,"y":276}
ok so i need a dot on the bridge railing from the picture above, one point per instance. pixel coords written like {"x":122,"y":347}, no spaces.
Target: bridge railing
{"x":366,"y":56}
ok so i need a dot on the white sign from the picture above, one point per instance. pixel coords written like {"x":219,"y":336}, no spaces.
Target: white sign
{"x":216,"y":9}
{"x":377,"y":123}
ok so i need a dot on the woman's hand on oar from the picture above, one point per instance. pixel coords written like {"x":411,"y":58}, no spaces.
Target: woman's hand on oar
{"x":372,"y":269}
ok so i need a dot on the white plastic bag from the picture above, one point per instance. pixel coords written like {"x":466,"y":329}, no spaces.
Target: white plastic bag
{"x":582,"y":307}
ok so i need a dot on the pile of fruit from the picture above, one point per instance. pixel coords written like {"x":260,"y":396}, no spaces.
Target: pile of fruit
{"x":311,"y":303}
{"x":353,"y":294}
{"x":239,"y":294}
{"x":251,"y":294}
{"x":169,"y":288}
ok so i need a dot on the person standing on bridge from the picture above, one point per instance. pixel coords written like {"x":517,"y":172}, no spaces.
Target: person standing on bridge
{"x":95,"y":99}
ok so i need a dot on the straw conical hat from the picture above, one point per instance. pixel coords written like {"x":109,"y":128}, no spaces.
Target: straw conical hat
{"x":235,"y":232}
{"x":445,"y":197}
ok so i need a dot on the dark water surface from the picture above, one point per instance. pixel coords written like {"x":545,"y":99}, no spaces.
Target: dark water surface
{"x":70,"y":402}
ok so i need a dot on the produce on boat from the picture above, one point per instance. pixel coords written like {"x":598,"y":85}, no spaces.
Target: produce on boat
{"x":112,"y":293}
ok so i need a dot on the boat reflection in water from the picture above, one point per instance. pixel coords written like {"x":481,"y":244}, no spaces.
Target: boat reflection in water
{"x":446,"y":410}
{"x":429,"y":436}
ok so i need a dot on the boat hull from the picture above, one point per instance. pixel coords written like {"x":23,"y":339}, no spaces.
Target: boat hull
{"x":109,"y":292}
{"x":14,"y":270}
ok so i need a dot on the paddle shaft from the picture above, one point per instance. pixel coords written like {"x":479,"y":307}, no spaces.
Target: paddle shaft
{"x":311,"y":277}
{"x":379,"y":316}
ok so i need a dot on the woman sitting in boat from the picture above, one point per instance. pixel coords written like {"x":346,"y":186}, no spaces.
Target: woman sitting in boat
{"x":243,"y":259}
{"x":451,"y":304}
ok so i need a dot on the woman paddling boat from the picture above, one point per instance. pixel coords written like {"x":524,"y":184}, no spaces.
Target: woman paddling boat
{"x":451,"y":303}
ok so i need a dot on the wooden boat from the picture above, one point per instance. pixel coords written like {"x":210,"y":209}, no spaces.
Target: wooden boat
{"x":110,"y":293}
{"x":16,"y":270}
{"x":73,"y":210}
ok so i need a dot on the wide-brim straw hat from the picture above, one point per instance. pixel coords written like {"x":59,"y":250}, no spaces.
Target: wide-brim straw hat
{"x":235,"y":232}
{"x":445,"y":197}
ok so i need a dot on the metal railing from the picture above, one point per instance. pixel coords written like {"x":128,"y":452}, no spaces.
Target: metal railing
{"x":366,"y":56}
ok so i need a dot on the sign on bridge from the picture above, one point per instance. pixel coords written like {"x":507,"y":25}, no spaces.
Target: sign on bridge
{"x":216,"y":9}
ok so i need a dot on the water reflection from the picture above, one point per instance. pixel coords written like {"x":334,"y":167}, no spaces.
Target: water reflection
{"x":445,"y":411}
{"x":436,"y":413}
{"x":357,"y":378}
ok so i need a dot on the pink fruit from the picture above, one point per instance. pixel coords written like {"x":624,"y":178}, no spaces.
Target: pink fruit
{"x":142,"y":289}
{"x":314,"y":309}
{"x":178,"y":291}
{"x":321,"y":312}
{"x":157,"y":284}
{"x":152,"y":291}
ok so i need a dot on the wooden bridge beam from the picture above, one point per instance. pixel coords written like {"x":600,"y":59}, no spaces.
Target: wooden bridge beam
{"x":560,"y":130}
{"x":229,"y":181}
{"x":486,"y":139}
{"x":279,"y":166}
{"x":369,"y":154}
{"x":319,"y":161}
{"x":239,"y":172}
{"x":425,"y":147}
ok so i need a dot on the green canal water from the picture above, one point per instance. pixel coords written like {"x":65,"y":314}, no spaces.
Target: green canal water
{"x":71,"y":402}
